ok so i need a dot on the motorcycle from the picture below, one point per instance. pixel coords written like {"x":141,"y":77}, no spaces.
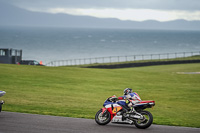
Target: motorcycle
{"x":1,"y":102}
{"x":114,"y":111}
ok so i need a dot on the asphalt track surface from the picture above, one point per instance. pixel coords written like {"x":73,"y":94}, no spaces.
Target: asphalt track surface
{"x":30,"y":123}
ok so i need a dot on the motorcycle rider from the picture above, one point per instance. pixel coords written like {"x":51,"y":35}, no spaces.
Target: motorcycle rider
{"x":130,"y":97}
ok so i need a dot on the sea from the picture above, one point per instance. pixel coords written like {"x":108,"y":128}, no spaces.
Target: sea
{"x":51,"y":44}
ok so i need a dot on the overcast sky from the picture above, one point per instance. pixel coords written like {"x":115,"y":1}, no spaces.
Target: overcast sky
{"x":136,"y":10}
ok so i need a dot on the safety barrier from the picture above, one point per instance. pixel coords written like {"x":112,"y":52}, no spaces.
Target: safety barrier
{"x":126,"y":58}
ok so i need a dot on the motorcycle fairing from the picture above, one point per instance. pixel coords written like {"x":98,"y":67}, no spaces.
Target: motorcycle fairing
{"x":145,"y":104}
{"x":122,"y":102}
{"x":112,"y":109}
{"x":107,"y":103}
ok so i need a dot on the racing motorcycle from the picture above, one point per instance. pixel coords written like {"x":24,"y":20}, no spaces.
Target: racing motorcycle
{"x":114,"y":111}
{"x":1,"y":102}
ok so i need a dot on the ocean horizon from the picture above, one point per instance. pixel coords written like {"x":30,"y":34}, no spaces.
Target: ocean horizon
{"x":50,"y":44}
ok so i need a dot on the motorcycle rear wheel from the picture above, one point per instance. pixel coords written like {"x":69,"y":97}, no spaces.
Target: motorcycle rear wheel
{"x":143,"y":124}
{"x":102,"y":119}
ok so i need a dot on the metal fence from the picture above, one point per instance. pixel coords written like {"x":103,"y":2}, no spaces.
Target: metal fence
{"x":126,"y":58}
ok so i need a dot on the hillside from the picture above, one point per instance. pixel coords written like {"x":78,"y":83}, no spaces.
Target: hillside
{"x":14,"y":16}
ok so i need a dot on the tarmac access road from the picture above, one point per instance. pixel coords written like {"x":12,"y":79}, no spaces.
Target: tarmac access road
{"x":11,"y":122}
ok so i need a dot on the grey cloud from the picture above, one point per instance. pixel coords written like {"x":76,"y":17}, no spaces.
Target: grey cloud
{"x":144,"y":4}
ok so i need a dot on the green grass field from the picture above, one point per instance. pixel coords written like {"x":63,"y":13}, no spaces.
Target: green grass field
{"x":80,"y":92}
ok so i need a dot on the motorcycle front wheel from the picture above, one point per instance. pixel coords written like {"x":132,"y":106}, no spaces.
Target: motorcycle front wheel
{"x":146,"y":122}
{"x":102,"y":118}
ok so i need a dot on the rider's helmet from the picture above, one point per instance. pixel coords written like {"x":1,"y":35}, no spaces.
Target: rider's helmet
{"x":127,"y":91}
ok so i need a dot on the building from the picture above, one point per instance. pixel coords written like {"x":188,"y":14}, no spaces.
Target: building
{"x":10,"y":56}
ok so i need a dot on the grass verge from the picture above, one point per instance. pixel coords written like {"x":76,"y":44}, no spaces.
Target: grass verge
{"x":80,"y":92}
